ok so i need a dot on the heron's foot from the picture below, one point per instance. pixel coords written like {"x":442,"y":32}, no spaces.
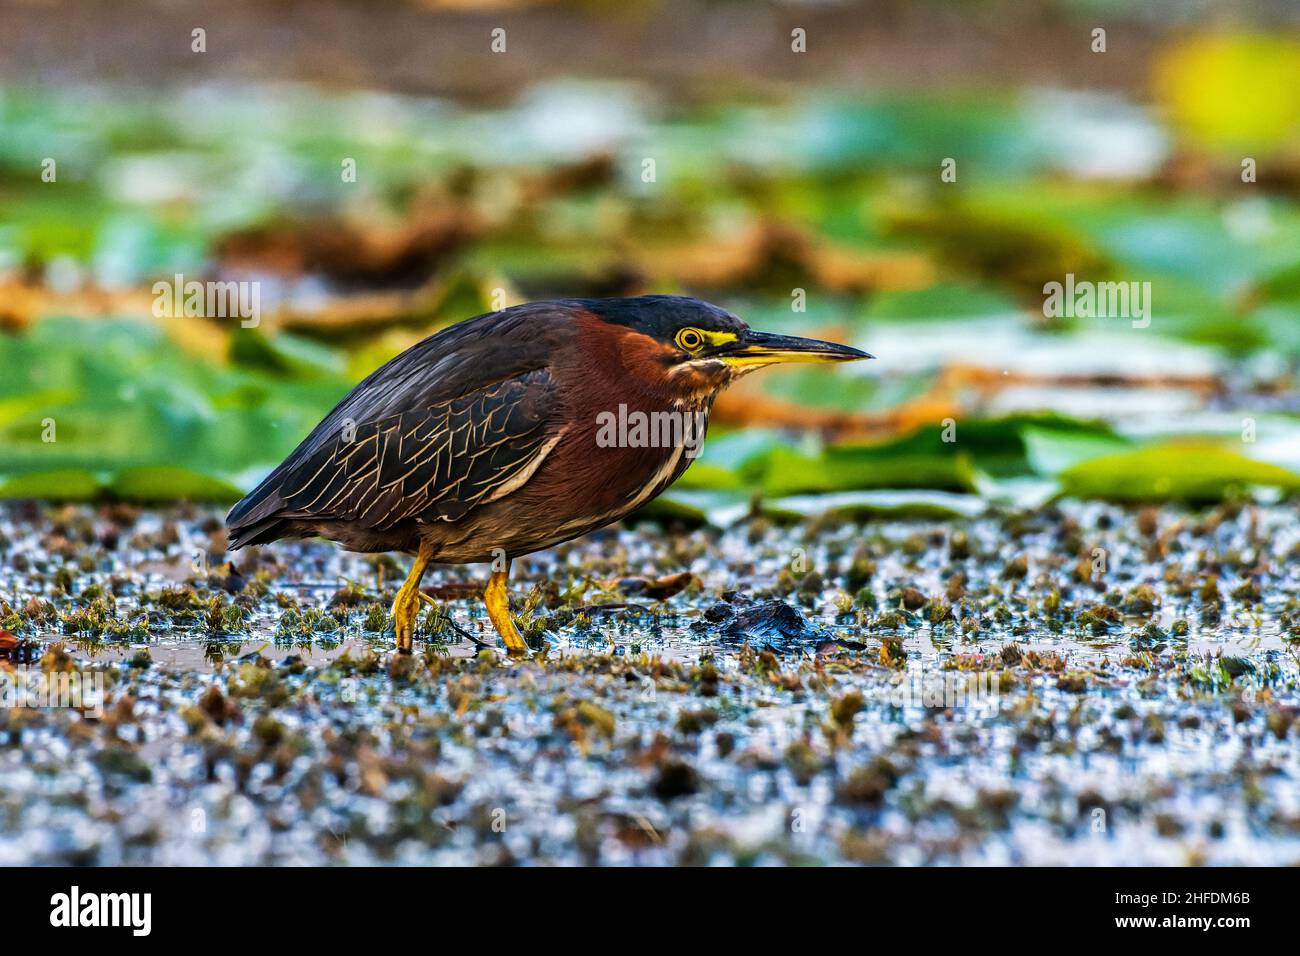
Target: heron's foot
{"x":406,"y":607}
{"x":497,"y":599}
{"x":404,"y":614}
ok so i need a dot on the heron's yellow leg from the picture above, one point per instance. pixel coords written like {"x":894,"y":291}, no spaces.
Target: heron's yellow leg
{"x":406,"y":607}
{"x":497,"y":598}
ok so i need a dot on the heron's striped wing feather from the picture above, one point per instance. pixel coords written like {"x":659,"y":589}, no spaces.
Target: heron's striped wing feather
{"x":434,"y":462}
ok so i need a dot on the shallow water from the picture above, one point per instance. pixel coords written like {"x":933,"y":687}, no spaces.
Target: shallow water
{"x":818,"y":732}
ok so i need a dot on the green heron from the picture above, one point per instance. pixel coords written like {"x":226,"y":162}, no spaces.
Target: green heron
{"x":492,"y":438}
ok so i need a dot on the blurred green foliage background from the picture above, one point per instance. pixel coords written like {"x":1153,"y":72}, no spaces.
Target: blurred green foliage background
{"x":816,"y":204}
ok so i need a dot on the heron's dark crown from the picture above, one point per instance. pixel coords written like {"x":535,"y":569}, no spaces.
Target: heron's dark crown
{"x":662,"y":316}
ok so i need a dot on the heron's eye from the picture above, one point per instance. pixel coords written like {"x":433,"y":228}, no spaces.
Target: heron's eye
{"x":690,"y":339}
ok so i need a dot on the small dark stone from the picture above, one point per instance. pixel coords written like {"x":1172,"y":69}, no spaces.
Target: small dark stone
{"x":232,"y":583}
{"x":717,"y":613}
{"x":775,"y":621}
{"x":676,"y":778}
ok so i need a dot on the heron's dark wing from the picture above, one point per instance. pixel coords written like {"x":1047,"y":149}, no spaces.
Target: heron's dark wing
{"x":438,"y":461}
{"x":447,"y":424}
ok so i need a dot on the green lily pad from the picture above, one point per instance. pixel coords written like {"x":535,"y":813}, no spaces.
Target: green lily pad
{"x":900,"y":503}
{"x":1189,"y":471}
{"x":170,"y":483}
{"x":1052,"y":452}
{"x":944,"y":300}
{"x":284,"y":354}
{"x":694,"y":507}
{"x":62,"y":484}
{"x":705,"y":475}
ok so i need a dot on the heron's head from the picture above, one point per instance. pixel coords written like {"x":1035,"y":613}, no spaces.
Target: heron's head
{"x":697,"y":347}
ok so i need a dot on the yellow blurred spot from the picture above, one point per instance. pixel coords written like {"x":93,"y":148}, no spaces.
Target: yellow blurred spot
{"x":1232,"y":91}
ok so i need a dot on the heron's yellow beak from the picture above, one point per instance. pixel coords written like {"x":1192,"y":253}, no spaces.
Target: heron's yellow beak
{"x":766,"y":348}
